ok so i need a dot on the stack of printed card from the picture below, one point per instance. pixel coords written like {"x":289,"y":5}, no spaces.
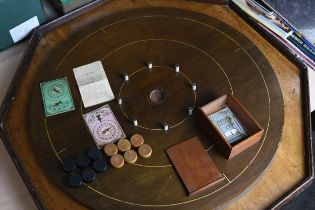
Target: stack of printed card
{"x":56,"y":96}
{"x":103,"y":126}
{"x":93,"y":84}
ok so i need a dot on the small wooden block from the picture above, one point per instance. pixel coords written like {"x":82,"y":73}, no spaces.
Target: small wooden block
{"x":194,"y":165}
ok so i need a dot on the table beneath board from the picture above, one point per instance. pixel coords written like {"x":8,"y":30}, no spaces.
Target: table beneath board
{"x":226,"y":81}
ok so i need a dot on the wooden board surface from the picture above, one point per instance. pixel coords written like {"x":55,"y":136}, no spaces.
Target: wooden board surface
{"x":217,"y":63}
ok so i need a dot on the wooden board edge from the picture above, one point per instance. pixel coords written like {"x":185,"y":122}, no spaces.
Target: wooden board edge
{"x":224,"y":2}
{"x":23,"y":174}
{"x":71,"y":15}
{"x":4,"y":108}
{"x":41,"y":30}
{"x":24,"y":63}
{"x":309,"y":161}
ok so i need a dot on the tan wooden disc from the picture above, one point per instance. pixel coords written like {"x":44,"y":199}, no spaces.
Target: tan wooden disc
{"x":117,"y":161}
{"x":145,"y":151}
{"x":110,"y":149}
{"x":136,"y":140}
{"x":123,"y":145}
{"x":130,"y":156}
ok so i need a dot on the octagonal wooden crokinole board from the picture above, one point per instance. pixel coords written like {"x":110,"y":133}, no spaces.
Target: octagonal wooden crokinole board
{"x":216,"y":57}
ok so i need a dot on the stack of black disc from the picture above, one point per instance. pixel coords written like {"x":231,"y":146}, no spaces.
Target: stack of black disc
{"x":83,"y":167}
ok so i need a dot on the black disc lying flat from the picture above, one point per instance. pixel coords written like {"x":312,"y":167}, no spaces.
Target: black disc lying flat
{"x":82,"y":161}
{"x":75,"y":180}
{"x":100,"y":165}
{"x":94,"y":154}
{"x":88,"y":175}
{"x":69,"y":165}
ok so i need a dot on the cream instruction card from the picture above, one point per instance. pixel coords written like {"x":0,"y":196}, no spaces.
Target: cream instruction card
{"x":93,"y":84}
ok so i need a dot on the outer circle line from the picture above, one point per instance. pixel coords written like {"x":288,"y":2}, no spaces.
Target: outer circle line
{"x":187,"y":19}
{"x":156,"y":129}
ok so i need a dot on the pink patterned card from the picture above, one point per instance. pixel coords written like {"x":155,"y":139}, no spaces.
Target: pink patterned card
{"x":103,"y":126}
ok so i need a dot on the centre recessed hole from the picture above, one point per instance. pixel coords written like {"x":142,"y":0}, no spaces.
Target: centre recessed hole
{"x":157,"y":96}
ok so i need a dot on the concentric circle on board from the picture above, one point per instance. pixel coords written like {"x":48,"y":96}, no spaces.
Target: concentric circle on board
{"x":157,"y":97}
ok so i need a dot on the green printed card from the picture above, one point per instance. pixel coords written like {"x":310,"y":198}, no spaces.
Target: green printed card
{"x":56,"y":96}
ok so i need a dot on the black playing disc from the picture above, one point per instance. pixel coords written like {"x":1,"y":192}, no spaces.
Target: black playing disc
{"x":100,"y":165}
{"x":82,"y":161}
{"x":69,"y":165}
{"x":75,"y":180}
{"x":94,"y":154}
{"x":88,"y":175}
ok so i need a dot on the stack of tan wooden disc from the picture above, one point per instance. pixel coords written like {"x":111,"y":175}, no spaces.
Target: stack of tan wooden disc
{"x":116,"y":160}
{"x":128,"y":149}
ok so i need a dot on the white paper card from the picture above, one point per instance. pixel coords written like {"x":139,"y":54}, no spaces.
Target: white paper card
{"x":21,"y":31}
{"x":93,"y":84}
